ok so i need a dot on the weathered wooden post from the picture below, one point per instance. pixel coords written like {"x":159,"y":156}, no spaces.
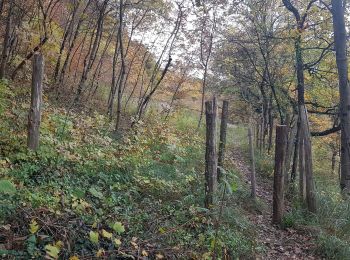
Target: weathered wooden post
{"x":210,"y":153}
{"x":252,"y":158}
{"x":223,"y":133}
{"x":278,"y":182}
{"x":34,"y":116}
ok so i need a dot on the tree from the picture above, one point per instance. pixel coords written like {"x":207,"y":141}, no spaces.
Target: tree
{"x":340,"y":39}
{"x":305,"y":154}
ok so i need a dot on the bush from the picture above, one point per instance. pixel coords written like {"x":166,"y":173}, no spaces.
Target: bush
{"x":331,"y":247}
{"x":83,"y":180}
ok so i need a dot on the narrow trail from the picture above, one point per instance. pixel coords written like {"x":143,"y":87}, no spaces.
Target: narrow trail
{"x":279,"y":244}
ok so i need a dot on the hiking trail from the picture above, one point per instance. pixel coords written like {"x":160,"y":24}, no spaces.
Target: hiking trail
{"x":286,"y":243}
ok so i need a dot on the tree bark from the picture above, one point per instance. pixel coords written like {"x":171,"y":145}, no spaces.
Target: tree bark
{"x":333,"y":161}
{"x":310,"y":186}
{"x":278,"y":183}
{"x":271,"y":124}
{"x":210,"y":154}
{"x":223,"y":133}
{"x":122,"y":68}
{"x":340,"y":40}
{"x":288,"y":149}
{"x":302,"y":179}
{"x":68,"y":30}
{"x":295,"y":155}
{"x":34,"y":116}
{"x":252,"y":159}
{"x":6,"y":41}
{"x":92,"y":52}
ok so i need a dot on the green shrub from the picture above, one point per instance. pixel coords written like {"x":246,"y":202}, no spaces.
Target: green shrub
{"x":331,"y":247}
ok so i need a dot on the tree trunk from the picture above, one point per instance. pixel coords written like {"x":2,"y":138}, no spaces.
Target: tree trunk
{"x":257,"y":133}
{"x":304,"y":134}
{"x":210,"y":154}
{"x":288,"y":150}
{"x":340,"y":40}
{"x":262,"y":129}
{"x":333,"y":161}
{"x":252,"y":159}
{"x":310,"y":185}
{"x":122,"y":68}
{"x":223,"y":133}
{"x":34,"y":116}
{"x":278,"y":183}
{"x":92,"y":52}
{"x":293,"y":172}
{"x":71,"y":47}
{"x":305,"y":154}
{"x":6,"y":41}
{"x":271,"y":124}
{"x":1,"y":6}
{"x":302,"y":179}
{"x":67,"y":32}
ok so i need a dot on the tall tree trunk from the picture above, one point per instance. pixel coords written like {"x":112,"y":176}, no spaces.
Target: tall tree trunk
{"x":252,"y":159}
{"x":271,"y":124}
{"x":293,"y":172}
{"x":304,"y":134}
{"x":302,"y":179}
{"x":122,"y":68}
{"x":278,"y":182}
{"x":1,"y":6}
{"x":67,"y":32}
{"x":333,"y":161}
{"x":6,"y":41}
{"x":340,"y":36}
{"x":62,"y":73}
{"x":112,"y":91}
{"x":223,"y":133}
{"x":92,"y":53}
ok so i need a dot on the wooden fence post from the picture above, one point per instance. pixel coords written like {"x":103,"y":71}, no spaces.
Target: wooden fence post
{"x":223,"y":133}
{"x":252,"y":158}
{"x":278,"y":182}
{"x":210,"y":153}
{"x":34,"y":116}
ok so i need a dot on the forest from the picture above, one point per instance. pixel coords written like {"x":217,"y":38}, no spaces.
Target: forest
{"x":174,"y":129}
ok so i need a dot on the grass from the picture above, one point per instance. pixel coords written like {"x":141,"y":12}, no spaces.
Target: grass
{"x":86,"y":194}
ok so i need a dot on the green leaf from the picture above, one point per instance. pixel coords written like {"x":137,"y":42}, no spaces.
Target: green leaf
{"x":94,"y":192}
{"x":212,"y":244}
{"x":31,"y":239}
{"x":106,"y":234}
{"x":33,"y":227}
{"x":79,"y":193}
{"x":118,"y":227}
{"x":234,"y":186}
{"x":117,"y":242}
{"x":52,"y":251}
{"x":7,"y":187}
{"x":94,"y":237}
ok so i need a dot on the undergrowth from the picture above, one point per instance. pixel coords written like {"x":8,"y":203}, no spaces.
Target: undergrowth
{"x":331,"y":224}
{"x":86,"y":194}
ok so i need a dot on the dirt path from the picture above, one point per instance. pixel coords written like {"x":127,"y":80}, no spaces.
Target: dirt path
{"x":279,"y":244}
